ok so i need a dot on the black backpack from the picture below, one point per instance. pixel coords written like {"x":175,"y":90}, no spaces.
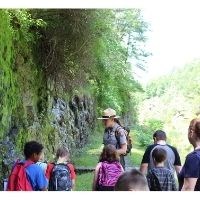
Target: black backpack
{"x":128,"y":138}
{"x":60,"y":179}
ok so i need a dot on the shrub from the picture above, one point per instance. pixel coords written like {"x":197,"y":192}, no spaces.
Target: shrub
{"x":144,"y":132}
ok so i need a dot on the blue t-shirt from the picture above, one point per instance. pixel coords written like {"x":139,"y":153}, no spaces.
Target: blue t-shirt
{"x":36,"y":177}
{"x":191,"y":169}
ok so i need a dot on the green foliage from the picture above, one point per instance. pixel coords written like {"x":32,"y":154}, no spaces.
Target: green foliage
{"x":174,"y":98}
{"x":8,"y":91}
{"x":92,"y":52}
{"x":145,"y":132}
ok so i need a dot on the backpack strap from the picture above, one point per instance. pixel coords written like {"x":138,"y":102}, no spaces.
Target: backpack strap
{"x":117,"y":136}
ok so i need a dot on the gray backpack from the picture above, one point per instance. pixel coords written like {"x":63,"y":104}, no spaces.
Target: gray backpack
{"x":60,"y":179}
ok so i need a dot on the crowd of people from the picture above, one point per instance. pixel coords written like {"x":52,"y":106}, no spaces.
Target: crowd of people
{"x":159,"y":171}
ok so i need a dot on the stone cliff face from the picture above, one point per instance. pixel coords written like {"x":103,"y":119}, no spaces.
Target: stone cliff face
{"x":68,"y":124}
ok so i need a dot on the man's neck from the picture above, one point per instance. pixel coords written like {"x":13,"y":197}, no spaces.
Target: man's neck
{"x":160,"y":164}
{"x":197,"y":145}
{"x":161,"y":142}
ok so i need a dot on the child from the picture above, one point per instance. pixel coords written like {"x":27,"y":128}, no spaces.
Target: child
{"x":107,"y":170}
{"x":133,"y":180}
{"x":61,"y":175}
{"x":27,"y":175}
{"x":160,"y":178}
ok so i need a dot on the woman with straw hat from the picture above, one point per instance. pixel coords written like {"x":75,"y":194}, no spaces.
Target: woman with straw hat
{"x":114,"y":134}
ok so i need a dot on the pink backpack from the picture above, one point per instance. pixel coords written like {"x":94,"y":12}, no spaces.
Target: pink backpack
{"x":109,"y":173}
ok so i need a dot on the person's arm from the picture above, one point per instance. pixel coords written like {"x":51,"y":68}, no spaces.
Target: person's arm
{"x":96,"y":173}
{"x":123,"y":142}
{"x":41,"y":180}
{"x":122,"y":150}
{"x":145,"y":160}
{"x":73,"y":184}
{"x":143,"y":168}
{"x":177,"y":162}
{"x":189,"y":184}
{"x":177,"y":169}
{"x":122,"y":169}
{"x":73,"y":175}
{"x":191,"y":172}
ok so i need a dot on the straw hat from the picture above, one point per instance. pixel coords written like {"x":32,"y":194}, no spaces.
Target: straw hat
{"x":109,"y":113}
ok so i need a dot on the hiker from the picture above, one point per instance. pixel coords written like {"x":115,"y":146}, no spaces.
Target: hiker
{"x":27,"y":175}
{"x":107,"y":170}
{"x":132,"y":180}
{"x":61,"y":174}
{"x":160,"y":178}
{"x":189,"y":177}
{"x":42,"y":163}
{"x":114,"y":134}
{"x":172,"y":162}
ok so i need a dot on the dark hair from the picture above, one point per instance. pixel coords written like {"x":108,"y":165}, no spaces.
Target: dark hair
{"x":159,"y":155}
{"x":109,"y":154}
{"x":62,"y":152}
{"x":132,"y":180}
{"x":117,"y":121}
{"x":160,"y":135}
{"x":32,"y":147}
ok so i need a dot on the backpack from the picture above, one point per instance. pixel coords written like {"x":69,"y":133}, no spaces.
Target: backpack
{"x":60,"y":179}
{"x":128,"y":139}
{"x":18,"y":179}
{"x":109,"y":173}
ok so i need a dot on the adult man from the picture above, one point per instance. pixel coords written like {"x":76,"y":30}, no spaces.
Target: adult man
{"x":114,"y":134}
{"x":172,"y":162}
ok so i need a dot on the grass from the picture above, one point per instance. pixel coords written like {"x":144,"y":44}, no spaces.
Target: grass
{"x":84,"y":182}
{"x":137,"y":151}
{"x":89,"y":155}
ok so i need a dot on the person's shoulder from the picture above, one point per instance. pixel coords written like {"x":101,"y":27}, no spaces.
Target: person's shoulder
{"x":34,"y":168}
{"x":193,"y":155}
{"x":172,"y":147}
{"x":150,"y":147}
{"x":120,"y":130}
{"x":70,"y":165}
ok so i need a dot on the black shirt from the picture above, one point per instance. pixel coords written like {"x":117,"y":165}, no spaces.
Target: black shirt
{"x":173,"y":157}
{"x":191,"y":169}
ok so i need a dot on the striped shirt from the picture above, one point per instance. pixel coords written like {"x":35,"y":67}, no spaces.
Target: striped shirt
{"x":161,"y":179}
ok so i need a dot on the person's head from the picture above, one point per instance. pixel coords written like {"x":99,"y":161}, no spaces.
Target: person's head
{"x":159,"y":155}
{"x":33,"y":151}
{"x":109,"y":118}
{"x":194,"y":131}
{"x":133,"y":180}
{"x":62,"y":154}
{"x":159,"y":135}
{"x":109,"y":154}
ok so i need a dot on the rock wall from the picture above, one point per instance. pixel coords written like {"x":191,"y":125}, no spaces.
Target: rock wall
{"x":68,"y":124}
